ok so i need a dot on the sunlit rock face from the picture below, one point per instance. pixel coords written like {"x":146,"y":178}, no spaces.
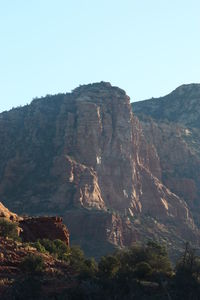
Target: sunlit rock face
{"x":7,"y":215}
{"x":171,"y":124}
{"x":84,"y":155}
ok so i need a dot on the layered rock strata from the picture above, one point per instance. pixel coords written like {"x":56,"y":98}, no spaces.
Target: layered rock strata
{"x":84,"y":156}
{"x":50,"y":228}
{"x":171,"y":125}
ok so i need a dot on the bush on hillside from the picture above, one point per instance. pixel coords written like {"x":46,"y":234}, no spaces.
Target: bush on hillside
{"x":149,"y":262}
{"x":8,"y":229}
{"x":33,"y":264}
{"x":57,"y":248}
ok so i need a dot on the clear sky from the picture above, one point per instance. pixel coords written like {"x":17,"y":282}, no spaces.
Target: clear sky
{"x":147,"y":47}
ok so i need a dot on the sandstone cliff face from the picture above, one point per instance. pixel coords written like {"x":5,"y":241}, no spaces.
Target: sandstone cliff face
{"x":50,"y":228}
{"x":8,"y":215}
{"x":30,"y":229}
{"x":171,"y":124}
{"x":84,"y":155}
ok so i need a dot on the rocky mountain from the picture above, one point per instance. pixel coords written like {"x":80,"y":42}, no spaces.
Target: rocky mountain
{"x":171,"y":124}
{"x":83,"y":155}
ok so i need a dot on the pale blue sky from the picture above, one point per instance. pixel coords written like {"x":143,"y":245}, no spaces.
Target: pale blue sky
{"x":147,"y":47}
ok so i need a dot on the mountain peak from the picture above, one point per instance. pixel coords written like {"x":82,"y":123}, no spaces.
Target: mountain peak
{"x":97,"y":87}
{"x":192,"y":88}
{"x":83,"y":155}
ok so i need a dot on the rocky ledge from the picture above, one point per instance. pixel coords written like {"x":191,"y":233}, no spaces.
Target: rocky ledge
{"x":30,"y":229}
{"x":52,"y":228}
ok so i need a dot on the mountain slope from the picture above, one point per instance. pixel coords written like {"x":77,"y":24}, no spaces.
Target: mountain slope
{"x":84,"y":155}
{"x":171,"y":124}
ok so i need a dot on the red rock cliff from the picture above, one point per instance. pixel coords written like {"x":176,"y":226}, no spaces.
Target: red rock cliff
{"x":50,"y":228}
{"x":83,"y":155}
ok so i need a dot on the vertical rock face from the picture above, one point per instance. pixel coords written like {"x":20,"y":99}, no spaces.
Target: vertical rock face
{"x":50,"y":228}
{"x":30,"y":229}
{"x":103,"y":141}
{"x":171,"y":124}
{"x":84,"y":155}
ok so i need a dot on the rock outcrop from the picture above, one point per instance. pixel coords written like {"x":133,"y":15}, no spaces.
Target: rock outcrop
{"x":30,"y":229}
{"x":84,"y":156}
{"x":50,"y":228}
{"x":171,"y":125}
{"x":8,"y":215}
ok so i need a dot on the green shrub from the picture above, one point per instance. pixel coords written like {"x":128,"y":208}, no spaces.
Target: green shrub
{"x":8,"y":229}
{"x":149,"y":262}
{"x":39,"y":247}
{"x":33,"y":264}
{"x":109,"y":266}
{"x":61,"y":248}
{"x":57,"y":248}
{"x":88,"y":269}
{"x":142,"y":270}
